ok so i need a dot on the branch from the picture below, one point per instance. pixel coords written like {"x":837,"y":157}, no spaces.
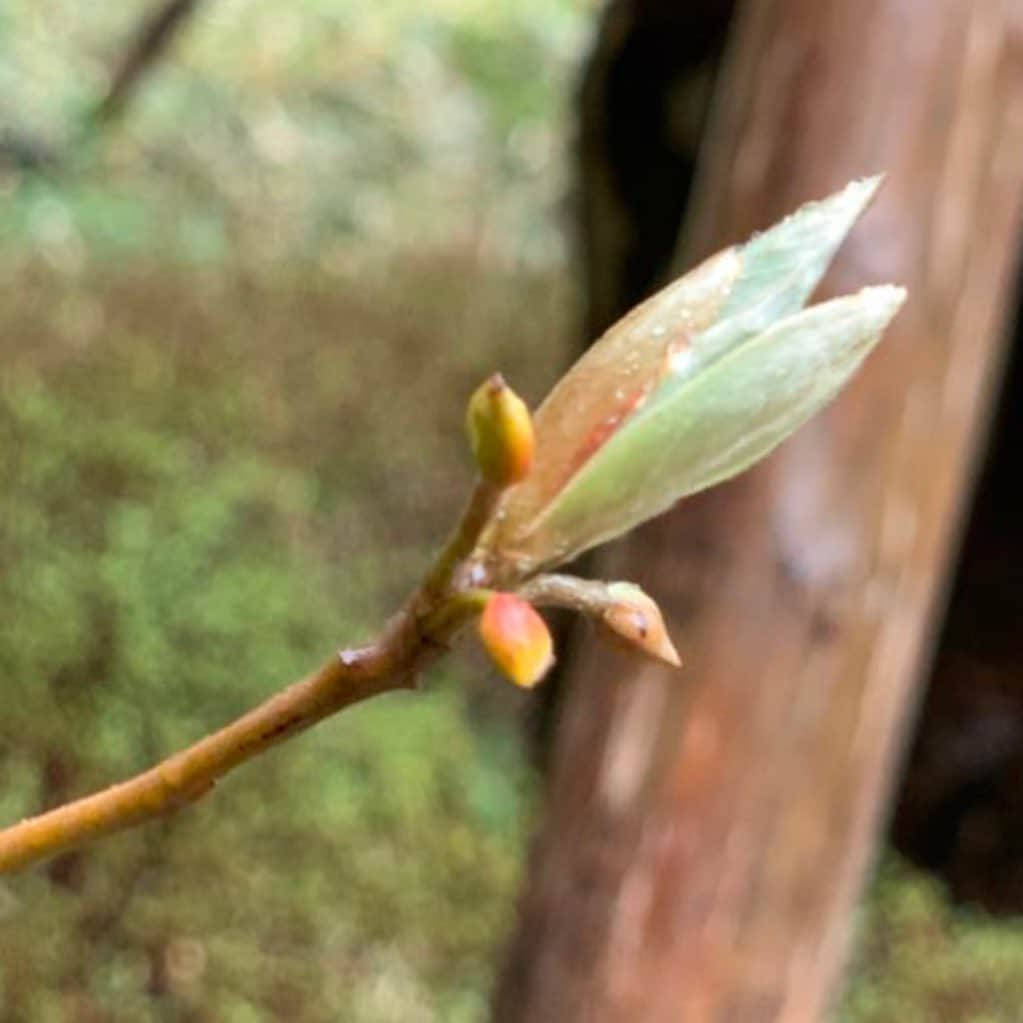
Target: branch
{"x":416,"y":635}
{"x":28,"y":154}
{"x":602,"y":470}
{"x":152,"y":39}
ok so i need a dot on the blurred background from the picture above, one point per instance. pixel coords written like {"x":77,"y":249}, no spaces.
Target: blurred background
{"x":245,"y":294}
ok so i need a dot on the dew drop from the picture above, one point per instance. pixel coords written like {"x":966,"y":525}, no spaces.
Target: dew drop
{"x":679,"y":361}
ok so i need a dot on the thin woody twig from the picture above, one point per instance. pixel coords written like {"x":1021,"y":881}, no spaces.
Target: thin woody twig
{"x":417,"y":634}
{"x":184,"y":777}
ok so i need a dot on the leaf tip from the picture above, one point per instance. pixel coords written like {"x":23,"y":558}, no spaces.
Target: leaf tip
{"x":851,"y":201}
{"x":881,"y":302}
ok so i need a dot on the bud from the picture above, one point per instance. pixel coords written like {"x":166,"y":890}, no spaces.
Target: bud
{"x":517,"y":639}
{"x":635,"y":618}
{"x":500,"y":432}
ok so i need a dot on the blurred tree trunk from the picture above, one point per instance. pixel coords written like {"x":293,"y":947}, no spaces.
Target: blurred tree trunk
{"x":708,"y":832}
{"x":642,"y":109}
{"x":960,"y":806}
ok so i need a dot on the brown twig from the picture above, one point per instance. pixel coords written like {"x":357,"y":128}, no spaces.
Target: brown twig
{"x":27,"y":153}
{"x":417,"y":634}
{"x":151,"y":41}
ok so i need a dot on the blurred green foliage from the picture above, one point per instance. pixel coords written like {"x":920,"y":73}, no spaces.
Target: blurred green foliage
{"x":921,"y":961}
{"x":276,"y":129}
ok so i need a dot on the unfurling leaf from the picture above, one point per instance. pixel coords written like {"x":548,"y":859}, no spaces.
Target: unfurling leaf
{"x":692,"y":387}
{"x":702,"y":430}
{"x":517,"y":639}
{"x":500,"y":432}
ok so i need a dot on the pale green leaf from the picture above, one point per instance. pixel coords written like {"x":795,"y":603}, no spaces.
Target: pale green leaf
{"x":781,"y":268}
{"x":700,"y":428}
{"x":678,"y":333}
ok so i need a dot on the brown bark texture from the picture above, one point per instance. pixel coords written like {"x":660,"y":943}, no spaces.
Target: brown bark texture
{"x":709,"y":832}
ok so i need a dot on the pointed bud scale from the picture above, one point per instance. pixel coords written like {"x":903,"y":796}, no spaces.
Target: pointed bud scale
{"x":517,"y":639}
{"x":500,"y":432}
{"x":635,"y":618}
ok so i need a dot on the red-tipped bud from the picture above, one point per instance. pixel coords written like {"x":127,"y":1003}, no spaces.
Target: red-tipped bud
{"x":501,"y":432}
{"x":517,"y":639}
{"x":635,"y":618}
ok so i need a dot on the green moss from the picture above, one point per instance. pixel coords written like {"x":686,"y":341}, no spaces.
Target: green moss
{"x":920,"y":960}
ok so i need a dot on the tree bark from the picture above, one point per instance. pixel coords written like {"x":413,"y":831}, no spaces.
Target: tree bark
{"x":708,"y":833}
{"x":642,"y":107}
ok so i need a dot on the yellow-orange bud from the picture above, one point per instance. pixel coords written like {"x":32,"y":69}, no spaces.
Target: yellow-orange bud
{"x":635,"y":618}
{"x":517,"y":639}
{"x":501,"y":432}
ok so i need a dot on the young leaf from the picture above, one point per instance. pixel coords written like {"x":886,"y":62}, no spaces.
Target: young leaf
{"x":674,"y":337}
{"x":699,"y":430}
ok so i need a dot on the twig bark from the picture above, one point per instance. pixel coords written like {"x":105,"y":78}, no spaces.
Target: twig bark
{"x":417,"y":634}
